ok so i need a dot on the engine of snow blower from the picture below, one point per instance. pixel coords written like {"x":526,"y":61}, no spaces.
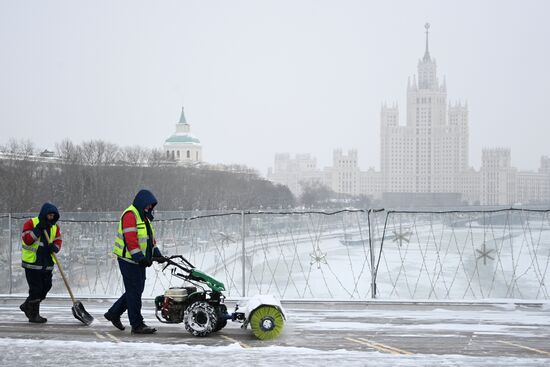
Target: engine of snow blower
{"x":202,"y":310}
{"x":173,"y":303}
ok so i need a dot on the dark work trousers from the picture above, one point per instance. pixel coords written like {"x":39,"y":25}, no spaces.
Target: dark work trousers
{"x":40,"y":283}
{"x":133,"y":276}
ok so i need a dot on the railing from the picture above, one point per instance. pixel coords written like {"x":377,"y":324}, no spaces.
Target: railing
{"x":347,"y":254}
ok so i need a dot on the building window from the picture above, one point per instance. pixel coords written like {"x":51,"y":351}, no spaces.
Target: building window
{"x":178,"y":154}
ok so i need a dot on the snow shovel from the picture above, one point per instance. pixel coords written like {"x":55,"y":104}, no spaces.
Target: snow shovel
{"x":79,"y":312}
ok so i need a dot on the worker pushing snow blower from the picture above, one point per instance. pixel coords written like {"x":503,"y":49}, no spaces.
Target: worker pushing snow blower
{"x":201,"y":306}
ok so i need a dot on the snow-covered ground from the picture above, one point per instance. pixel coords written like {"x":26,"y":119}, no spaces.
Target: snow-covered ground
{"x":316,"y":334}
{"x":25,"y":352}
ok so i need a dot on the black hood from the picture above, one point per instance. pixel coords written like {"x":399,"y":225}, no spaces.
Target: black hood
{"x":48,"y":208}
{"x":144,"y":198}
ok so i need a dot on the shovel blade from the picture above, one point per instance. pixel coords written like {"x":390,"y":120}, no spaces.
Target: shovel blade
{"x":80,"y":313}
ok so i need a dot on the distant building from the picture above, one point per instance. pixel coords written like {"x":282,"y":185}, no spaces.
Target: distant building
{"x":345,"y":173}
{"x":426,"y":161}
{"x":429,"y":153}
{"x":183,"y":147}
{"x":532,"y":188}
{"x":371,"y":183}
{"x":47,"y":153}
{"x":295,"y":172}
{"x":498,"y":177}
{"x":469,"y":183}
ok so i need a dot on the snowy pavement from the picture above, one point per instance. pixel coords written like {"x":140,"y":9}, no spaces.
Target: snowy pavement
{"x":316,"y":333}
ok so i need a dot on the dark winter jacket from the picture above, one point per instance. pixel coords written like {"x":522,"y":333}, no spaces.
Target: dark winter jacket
{"x":48,"y":208}
{"x":142,"y":199}
{"x":29,"y":236}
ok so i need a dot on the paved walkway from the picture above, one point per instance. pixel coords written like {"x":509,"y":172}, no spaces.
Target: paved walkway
{"x":521,"y":331}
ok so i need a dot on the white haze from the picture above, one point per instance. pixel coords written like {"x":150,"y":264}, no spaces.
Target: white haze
{"x":261,"y":77}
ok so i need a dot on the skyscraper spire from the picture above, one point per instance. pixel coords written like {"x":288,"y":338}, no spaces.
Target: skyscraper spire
{"x":427,"y":53}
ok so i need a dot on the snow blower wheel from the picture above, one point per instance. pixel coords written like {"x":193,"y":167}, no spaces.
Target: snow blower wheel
{"x":200,"y":319}
{"x":266,"y":322}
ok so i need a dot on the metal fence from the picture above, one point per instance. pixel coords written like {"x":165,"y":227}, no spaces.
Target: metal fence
{"x":348,"y":254}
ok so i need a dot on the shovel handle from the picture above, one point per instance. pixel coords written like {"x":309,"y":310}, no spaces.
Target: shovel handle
{"x":61,"y":270}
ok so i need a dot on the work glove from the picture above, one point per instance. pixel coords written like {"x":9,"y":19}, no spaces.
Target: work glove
{"x":145,"y":262}
{"x":159,"y":259}
{"x":53,"y":248}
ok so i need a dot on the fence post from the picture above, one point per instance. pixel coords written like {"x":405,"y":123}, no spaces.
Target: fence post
{"x":10,"y":250}
{"x":372,"y":270}
{"x":243,"y":253}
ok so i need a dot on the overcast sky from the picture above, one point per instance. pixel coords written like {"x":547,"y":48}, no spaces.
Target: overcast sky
{"x":261,"y":77}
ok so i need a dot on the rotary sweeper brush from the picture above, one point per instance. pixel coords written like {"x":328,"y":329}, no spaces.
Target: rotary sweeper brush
{"x":201,"y":306}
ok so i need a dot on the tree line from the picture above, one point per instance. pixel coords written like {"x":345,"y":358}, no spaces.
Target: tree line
{"x":101,"y":176}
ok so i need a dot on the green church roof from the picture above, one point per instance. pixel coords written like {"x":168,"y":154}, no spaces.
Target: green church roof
{"x":183,"y":139}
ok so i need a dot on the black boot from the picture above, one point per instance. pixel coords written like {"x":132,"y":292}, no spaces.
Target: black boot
{"x":143,"y":329}
{"x":35,"y":313}
{"x":114,"y":320}
{"x":26,"y":308}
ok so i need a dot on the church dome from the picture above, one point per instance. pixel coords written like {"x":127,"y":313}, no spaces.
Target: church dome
{"x":183,"y":147}
{"x":183,"y":138}
{"x":183,"y":133}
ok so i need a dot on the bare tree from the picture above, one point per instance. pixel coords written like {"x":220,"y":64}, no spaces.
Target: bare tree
{"x":92,"y":177}
{"x":69,"y":152}
{"x":155,"y":158}
{"x":135,"y":155}
{"x":22,"y":147}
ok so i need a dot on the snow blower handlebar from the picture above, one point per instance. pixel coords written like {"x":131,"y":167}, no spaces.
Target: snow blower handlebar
{"x":168,"y":260}
{"x":182,"y":264}
{"x":189,"y":272}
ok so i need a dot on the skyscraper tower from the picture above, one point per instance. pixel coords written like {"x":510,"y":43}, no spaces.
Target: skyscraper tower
{"x":429,"y":152}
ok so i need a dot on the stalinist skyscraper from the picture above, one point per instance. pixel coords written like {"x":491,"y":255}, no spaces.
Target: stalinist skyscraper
{"x":428,"y":154}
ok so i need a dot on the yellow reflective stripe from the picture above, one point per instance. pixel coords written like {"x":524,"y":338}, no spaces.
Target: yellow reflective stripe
{"x":29,"y":248}
{"x":140,"y":239}
{"x":140,"y":228}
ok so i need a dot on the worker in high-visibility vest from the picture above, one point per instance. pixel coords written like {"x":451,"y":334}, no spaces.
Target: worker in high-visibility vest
{"x":37,"y":259}
{"x":135,"y":246}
